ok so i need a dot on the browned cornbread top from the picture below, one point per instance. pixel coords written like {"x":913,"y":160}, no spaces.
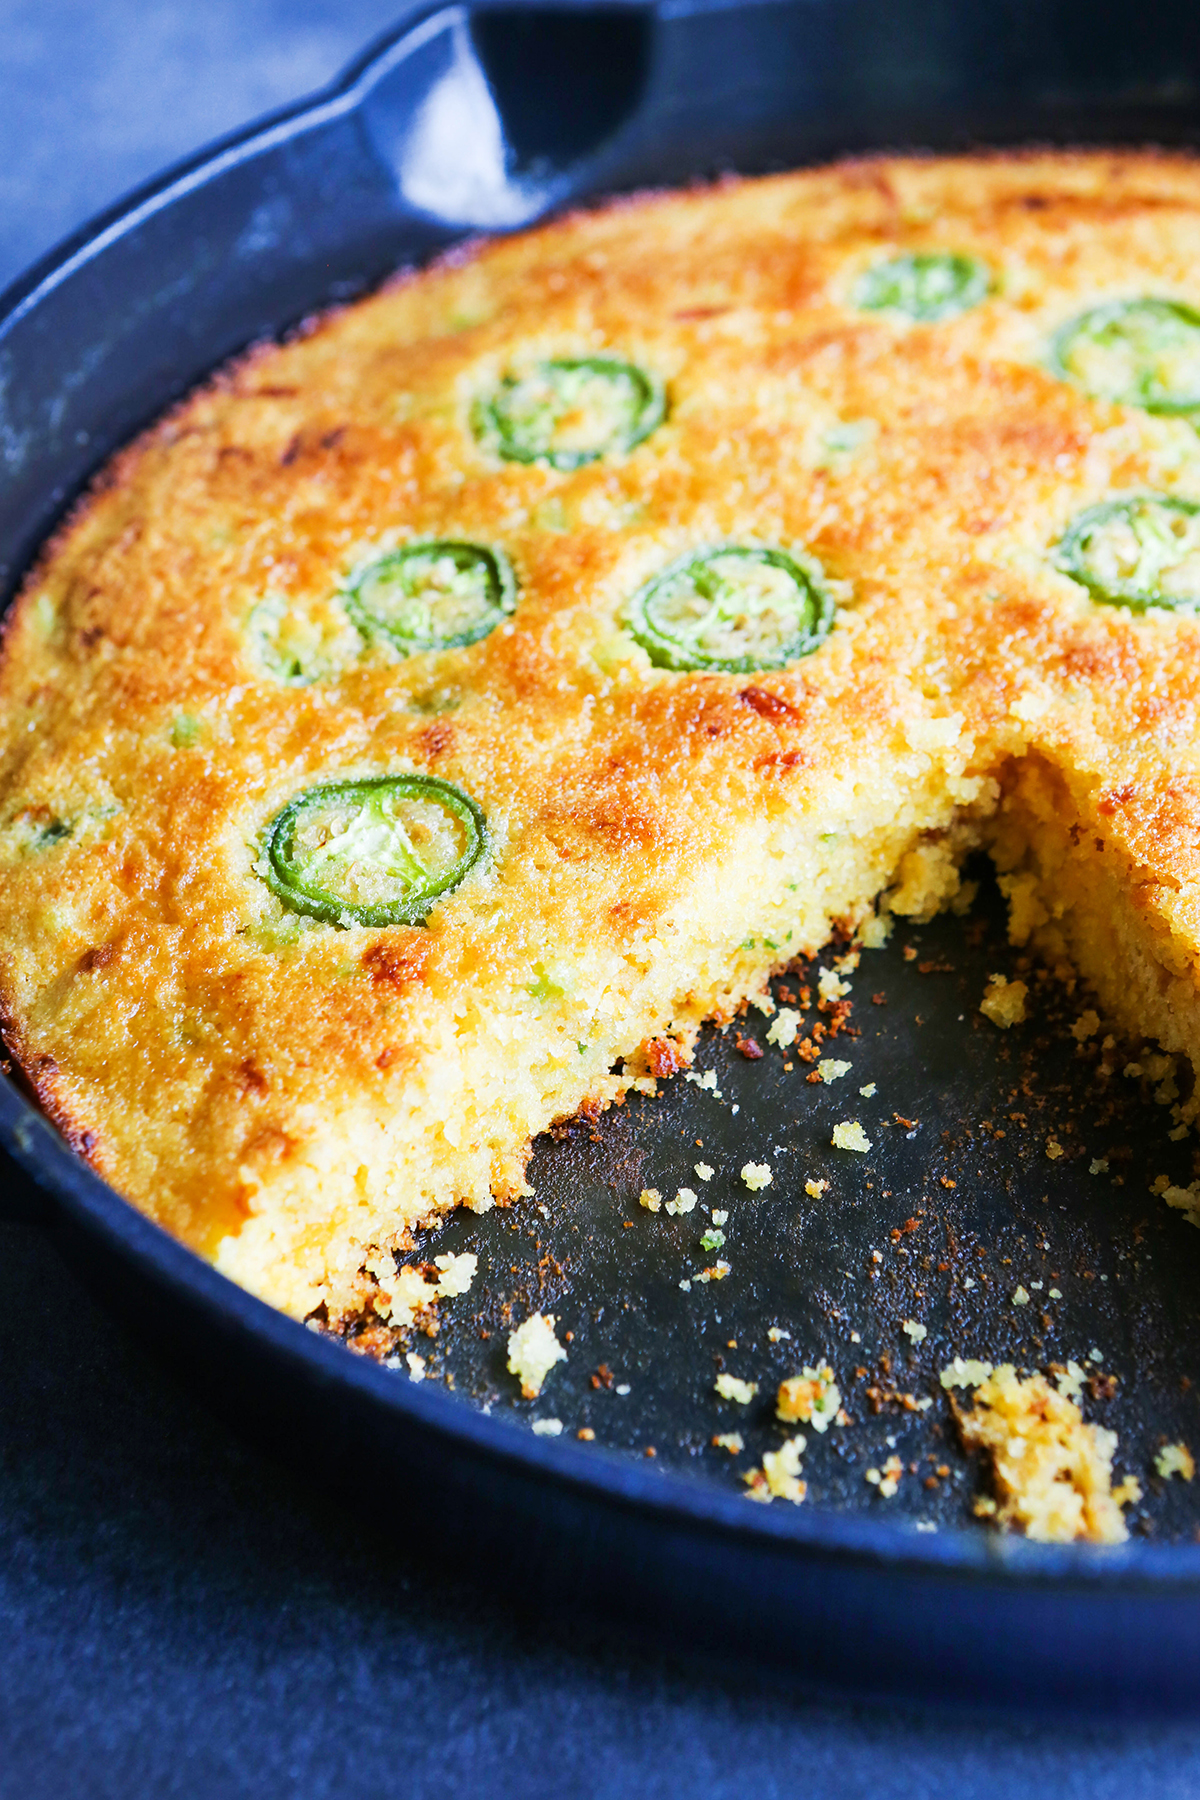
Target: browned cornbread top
{"x":196,"y":1041}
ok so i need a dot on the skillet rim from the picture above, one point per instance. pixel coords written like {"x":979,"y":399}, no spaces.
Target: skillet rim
{"x":81,"y":1197}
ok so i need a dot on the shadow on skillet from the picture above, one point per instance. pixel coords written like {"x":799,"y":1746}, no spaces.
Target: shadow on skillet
{"x":433,"y":135}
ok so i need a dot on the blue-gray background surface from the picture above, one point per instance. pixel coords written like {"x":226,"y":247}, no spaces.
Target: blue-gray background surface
{"x":176,"y":1616}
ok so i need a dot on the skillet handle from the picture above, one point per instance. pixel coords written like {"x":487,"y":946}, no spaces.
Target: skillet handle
{"x":456,"y":109}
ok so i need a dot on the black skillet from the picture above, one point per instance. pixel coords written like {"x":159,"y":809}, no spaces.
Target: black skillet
{"x":487,"y":118}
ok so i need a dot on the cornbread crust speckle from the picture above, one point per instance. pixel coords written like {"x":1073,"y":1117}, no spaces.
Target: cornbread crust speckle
{"x":291,"y":1098}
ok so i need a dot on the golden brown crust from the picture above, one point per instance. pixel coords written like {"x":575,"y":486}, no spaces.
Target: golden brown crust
{"x":218,"y":1062}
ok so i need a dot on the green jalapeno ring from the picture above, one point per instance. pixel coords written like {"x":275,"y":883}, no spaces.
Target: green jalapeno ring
{"x":467,"y":617}
{"x":498,"y":423}
{"x":928,"y":285}
{"x":1118,"y":325}
{"x":285,"y":871}
{"x":683,"y":649}
{"x":1081,"y":544}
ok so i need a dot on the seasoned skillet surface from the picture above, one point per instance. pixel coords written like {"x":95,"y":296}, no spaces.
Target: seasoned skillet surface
{"x":943,"y":1199}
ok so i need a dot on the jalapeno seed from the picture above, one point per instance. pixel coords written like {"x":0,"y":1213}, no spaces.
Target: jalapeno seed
{"x":924,"y":286}
{"x":1135,"y":353}
{"x":1140,"y":552}
{"x":435,"y":594}
{"x":733,"y":607}
{"x":569,"y":411}
{"x":378,"y":851}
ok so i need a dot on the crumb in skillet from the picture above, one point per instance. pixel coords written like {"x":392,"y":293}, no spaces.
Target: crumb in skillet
{"x":1175,"y":1459}
{"x":1051,"y":1469}
{"x":779,"y":1476}
{"x":886,"y":1481}
{"x":731,"y":1387}
{"x":810,"y":1398}
{"x":533,"y":1351}
{"x":1004,"y":1001}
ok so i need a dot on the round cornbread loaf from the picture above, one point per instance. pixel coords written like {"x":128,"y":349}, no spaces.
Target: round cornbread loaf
{"x":874,"y":372}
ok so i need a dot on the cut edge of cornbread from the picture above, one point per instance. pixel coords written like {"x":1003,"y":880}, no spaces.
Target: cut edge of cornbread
{"x":477,"y":1098}
{"x":1073,"y":897}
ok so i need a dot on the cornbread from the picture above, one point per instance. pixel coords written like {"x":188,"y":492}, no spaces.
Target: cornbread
{"x":413,"y":738}
{"x":1053,"y":1472}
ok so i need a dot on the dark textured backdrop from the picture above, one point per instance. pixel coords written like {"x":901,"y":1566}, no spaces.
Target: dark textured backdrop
{"x":175,"y":1616}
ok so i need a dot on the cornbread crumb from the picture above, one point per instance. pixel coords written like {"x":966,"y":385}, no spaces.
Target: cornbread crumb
{"x":731,"y":1387}
{"x":547,"y":1427}
{"x":456,"y":1273}
{"x":831,"y":987}
{"x":1184,"y":1199}
{"x":849,"y":1135}
{"x":918,"y":1333}
{"x":416,"y":1366}
{"x":1053,"y":1471}
{"x":403,"y":1293}
{"x":731,"y":1441}
{"x":586,"y":1435}
{"x":718,"y":1215}
{"x":684,"y":1202}
{"x":1086,"y":1025}
{"x":965,"y":1372}
{"x":704,"y":1171}
{"x":1055,"y":1294}
{"x":814,"y":1189}
{"x":1175,"y":1459}
{"x":756,"y":1176}
{"x":1053,"y":1149}
{"x":887,"y":1479}
{"x":874,"y":932}
{"x":784,"y":1028}
{"x":1098,"y":1165}
{"x":1020,"y":1297}
{"x":718,"y":1272}
{"x":830,"y":1069}
{"x":707,"y":1081}
{"x":650,"y":1198}
{"x":868,"y":1092}
{"x":533,"y":1351}
{"x":1004,"y":1001}
{"x":810,"y":1398}
{"x":776,"y":1333}
{"x":779,"y":1477}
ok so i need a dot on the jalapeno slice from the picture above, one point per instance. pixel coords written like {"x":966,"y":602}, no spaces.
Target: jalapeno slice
{"x":733,"y":607}
{"x":1135,"y":353}
{"x":435,"y":594}
{"x":374,"y":852}
{"x":1140,"y":552}
{"x":926,"y":286}
{"x":569,"y":411}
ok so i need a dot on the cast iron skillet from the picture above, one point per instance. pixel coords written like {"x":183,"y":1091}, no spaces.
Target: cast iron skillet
{"x":487,"y":118}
